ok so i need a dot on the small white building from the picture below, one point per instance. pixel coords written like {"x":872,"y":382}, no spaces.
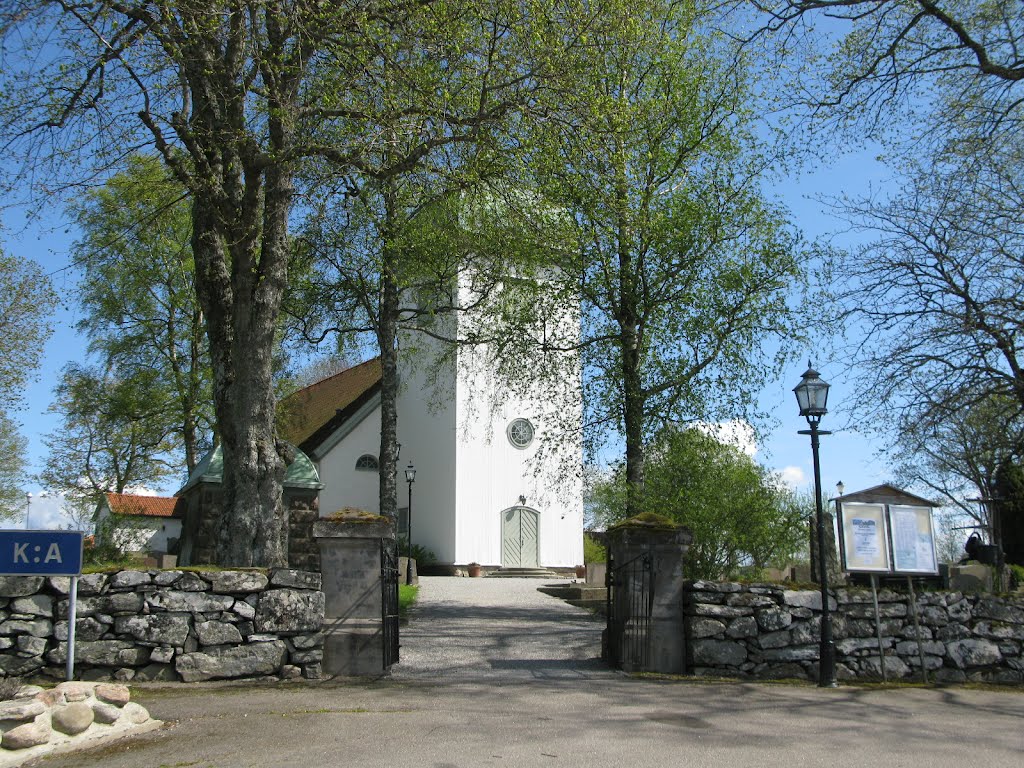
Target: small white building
{"x":498,"y":475}
{"x":140,"y":524}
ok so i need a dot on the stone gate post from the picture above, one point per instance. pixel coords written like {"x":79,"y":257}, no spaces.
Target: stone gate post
{"x":666,"y":544}
{"x":350,"y":562}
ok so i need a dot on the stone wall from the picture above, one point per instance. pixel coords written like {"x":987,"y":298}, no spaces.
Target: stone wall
{"x":768,"y":631}
{"x":203,"y":505}
{"x":165,"y":625}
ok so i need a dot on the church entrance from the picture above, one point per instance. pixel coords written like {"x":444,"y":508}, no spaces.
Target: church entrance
{"x":519,"y":539}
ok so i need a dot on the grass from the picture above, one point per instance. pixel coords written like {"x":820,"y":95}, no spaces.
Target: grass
{"x":406,"y":597}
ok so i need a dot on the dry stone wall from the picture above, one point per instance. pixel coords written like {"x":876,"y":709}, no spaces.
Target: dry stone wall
{"x":767,"y":631}
{"x":165,"y":625}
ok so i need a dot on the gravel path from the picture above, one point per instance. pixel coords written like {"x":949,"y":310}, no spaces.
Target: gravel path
{"x":463,"y":629}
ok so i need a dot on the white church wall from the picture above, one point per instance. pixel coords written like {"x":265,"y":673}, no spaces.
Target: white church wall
{"x":426,"y":430}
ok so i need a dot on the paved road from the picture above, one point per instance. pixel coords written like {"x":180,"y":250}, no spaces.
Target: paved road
{"x":524,"y":694}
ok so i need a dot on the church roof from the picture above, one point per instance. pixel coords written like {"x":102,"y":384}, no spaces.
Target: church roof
{"x":887,"y":494}
{"x":307,"y":417}
{"x":144,"y":506}
{"x":301,"y":473}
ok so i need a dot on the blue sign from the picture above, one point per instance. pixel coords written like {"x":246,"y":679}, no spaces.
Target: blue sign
{"x":41,"y":553}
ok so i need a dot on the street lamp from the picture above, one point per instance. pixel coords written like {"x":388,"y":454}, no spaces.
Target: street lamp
{"x":410,"y":478}
{"x":812,"y":396}
{"x":28,"y":508}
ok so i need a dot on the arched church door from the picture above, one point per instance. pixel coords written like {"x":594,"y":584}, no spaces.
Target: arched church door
{"x":519,"y":538}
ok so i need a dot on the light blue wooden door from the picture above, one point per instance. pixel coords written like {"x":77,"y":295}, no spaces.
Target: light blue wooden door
{"x":519,"y":538}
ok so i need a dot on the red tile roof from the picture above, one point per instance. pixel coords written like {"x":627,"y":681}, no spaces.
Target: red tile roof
{"x":145,"y":506}
{"x":307,"y":417}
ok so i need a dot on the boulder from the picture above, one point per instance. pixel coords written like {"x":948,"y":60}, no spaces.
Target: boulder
{"x":717,"y":653}
{"x":33,"y":605}
{"x":20,"y":666}
{"x":289,"y":577}
{"x":290,"y":610}
{"x":705,"y":627}
{"x":217,"y":633}
{"x":236,"y":581}
{"x":193,"y":602}
{"x":124,"y":603}
{"x":770,"y":619}
{"x":190,"y":582}
{"x":73,"y":691}
{"x":28,"y":735}
{"x":720,"y":611}
{"x":37,"y":628}
{"x":237,"y":661}
{"x":102,"y":653}
{"x":744,"y":626}
{"x":244,"y":609}
{"x":973,"y":653}
{"x":129,"y":579}
{"x":135,"y":713}
{"x":775,"y":639}
{"x":1000,"y":610}
{"x":112,"y":693}
{"x":20,"y":586}
{"x":161,"y":655}
{"x":166,"y":578}
{"x":161,"y":628}
{"x":72,"y":718}
{"x":92,"y":584}
{"x":89,"y":628}
{"x":31,"y":646}
{"x":21,"y":710}
{"x":104,"y":713}
{"x":156,"y":673}
{"x":750,"y":600}
{"x":793,"y":653}
{"x":303,"y":642}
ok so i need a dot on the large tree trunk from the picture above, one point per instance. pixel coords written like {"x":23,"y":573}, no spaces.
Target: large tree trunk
{"x":387,"y":340}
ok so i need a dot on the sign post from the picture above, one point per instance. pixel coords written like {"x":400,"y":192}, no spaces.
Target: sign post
{"x":46,"y":553}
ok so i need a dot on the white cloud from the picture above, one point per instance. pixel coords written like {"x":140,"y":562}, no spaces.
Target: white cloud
{"x":792,"y":476}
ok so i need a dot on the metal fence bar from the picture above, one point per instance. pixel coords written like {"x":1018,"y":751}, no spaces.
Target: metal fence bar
{"x":389,"y":577}
{"x":630,"y":605}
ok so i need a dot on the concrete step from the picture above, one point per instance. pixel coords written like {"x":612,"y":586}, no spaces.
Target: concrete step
{"x":522,"y":573}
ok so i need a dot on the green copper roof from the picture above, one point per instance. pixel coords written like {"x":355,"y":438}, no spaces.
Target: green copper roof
{"x":301,"y":472}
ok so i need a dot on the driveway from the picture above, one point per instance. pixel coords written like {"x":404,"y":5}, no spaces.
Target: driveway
{"x":464,"y":630}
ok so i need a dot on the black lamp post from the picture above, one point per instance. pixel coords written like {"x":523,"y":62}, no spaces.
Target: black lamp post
{"x":410,"y":478}
{"x":812,"y":395}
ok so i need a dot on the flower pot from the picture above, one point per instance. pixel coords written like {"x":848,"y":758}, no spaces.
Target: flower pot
{"x":474,"y":570}
{"x":581,"y":571}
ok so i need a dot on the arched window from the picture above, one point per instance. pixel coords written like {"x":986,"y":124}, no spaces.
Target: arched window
{"x":367,"y":463}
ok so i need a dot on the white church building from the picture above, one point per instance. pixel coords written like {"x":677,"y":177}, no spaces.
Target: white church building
{"x":498,"y":474}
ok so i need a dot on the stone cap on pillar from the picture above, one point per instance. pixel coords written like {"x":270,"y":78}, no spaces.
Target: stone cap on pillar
{"x":650,"y":527}
{"x":351,"y":523}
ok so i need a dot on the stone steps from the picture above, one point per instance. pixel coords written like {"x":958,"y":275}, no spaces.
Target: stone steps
{"x":522,"y":573}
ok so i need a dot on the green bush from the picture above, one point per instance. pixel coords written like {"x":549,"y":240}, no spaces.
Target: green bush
{"x":1016,"y":576}
{"x":420,"y":554}
{"x":593,"y":551}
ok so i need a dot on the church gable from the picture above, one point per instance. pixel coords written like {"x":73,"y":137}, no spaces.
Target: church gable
{"x":308,"y":417}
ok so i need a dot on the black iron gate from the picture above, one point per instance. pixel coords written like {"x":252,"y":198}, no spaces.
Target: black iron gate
{"x":630,"y":605}
{"x":389,"y":599}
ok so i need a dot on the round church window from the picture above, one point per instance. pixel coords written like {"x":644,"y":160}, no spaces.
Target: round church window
{"x":520,"y":433}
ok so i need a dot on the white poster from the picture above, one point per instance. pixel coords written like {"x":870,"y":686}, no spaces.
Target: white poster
{"x":863,"y":537}
{"x":913,"y":542}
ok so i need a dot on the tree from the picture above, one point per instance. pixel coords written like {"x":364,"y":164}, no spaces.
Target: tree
{"x":1009,"y":503}
{"x":742,"y":519}
{"x":115,"y":434}
{"x":26,"y":307}
{"x":683,"y":268}
{"x":233,"y":96}
{"x":12,"y":469}
{"x":140,"y":309}
{"x":891,"y":56}
{"x":937,"y":297}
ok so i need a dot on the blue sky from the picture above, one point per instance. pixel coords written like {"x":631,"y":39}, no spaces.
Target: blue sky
{"x":845,"y":455}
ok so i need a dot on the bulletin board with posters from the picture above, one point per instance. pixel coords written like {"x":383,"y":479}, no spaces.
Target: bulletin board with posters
{"x":913,"y":539}
{"x":864,"y":538}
